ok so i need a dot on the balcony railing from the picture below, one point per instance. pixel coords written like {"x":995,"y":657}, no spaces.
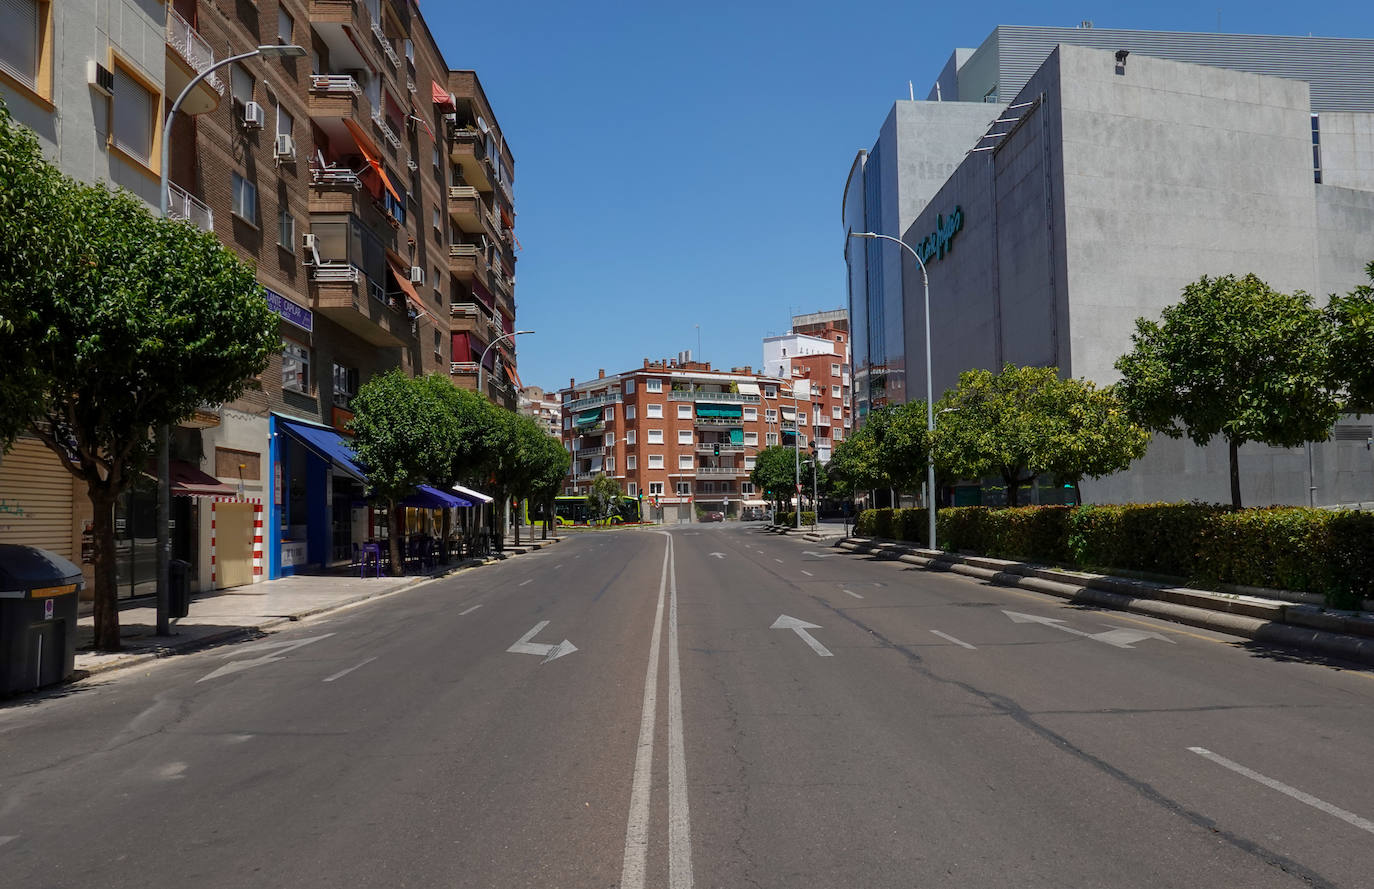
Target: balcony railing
{"x":461,"y":250}
{"x":585,"y":453}
{"x":460,"y":192}
{"x":192,"y":47}
{"x":334,"y":177}
{"x":718,"y":421}
{"x":698,"y":395}
{"x":335,"y":84}
{"x":385,"y":44}
{"x":335,"y":273}
{"x":727,"y":471}
{"x":595,"y":401}
{"x":710,"y":448}
{"x":463,"y":368}
{"x":391,"y":138}
{"x":181,"y":204}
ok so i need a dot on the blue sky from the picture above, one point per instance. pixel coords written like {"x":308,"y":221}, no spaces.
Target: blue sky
{"x":683,"y":165}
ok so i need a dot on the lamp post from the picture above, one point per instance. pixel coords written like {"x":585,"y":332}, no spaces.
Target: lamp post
{"x":930,"y":399}
{"x":164,"y":432}
{"x":815,"y":494}
{"x":481,"y":362}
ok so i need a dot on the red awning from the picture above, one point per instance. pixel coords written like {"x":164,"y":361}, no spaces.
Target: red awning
{"x":415,"y":113}
{"x":403,"y":281}
{"x":189,"y":481}
{"x":441,"y":96}
{"x":370,"y":152}
{"x":515,"y":377}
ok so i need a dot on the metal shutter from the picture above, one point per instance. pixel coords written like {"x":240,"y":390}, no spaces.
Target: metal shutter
{"x":35,"y":497}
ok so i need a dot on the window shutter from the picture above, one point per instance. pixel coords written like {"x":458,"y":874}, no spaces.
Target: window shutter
{"x":133,"y":116}
{"x":19,"y":40}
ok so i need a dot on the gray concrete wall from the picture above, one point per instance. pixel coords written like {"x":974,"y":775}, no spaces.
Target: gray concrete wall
{"x":1347,"y":149}
{"x":1345,"y":239}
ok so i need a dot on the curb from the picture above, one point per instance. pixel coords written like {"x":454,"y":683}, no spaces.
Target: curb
{"x":261,"y":628}
{"x":1333,"y":634}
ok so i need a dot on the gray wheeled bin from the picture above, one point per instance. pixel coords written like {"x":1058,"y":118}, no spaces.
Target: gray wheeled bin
{"x":179,"y":586}
{"x":38,"y":593}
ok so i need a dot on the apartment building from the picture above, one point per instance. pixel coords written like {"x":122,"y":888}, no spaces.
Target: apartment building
{"x":815,"y":353}
{"x":679,"y":435}
{"x":543,"y":407}
{"x":336,"y":174}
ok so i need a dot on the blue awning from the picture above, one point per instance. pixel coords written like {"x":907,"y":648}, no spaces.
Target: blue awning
{"x":426,"y":497}
{"x":327,"y":444}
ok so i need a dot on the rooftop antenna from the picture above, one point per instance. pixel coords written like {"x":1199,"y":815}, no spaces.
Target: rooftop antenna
{"x":911,"y":90}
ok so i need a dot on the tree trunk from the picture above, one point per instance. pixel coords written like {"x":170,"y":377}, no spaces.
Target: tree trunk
{"x":1077,"y":494}
{"x":518,"y":510}
{"x":393,"y":524}
{"x":447,"y":529}
{"x":1013,"y":489}
{"x":1233,"y":450}
{"x":105,"y":594}
{"x":548,"y":517}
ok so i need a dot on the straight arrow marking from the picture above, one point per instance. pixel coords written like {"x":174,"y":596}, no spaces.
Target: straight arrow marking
{"x":1120,"y":637}
{"x":800,"y":627}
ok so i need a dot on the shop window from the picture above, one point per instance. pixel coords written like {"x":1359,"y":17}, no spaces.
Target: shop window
{"x":295,"y":367}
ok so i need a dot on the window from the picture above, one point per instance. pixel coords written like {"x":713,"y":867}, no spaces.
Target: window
{"x":133,"y":116}
{"x":438,"y":349}
{"x":655,"y":461}
{"x":437,"y":226}
{"x":610,"y":413}
{"x":245,"y":199}
{"x":749,"y":462}
{"x":286,"y":230}
{"x":834,"y":391}
{"x":653,"y":411}
{"x":771,"y":439}
{"x":834,"y":370}
{"x":686,"y":461}
{"x":751,"y":438}
{"x":295,"y":366}
{"x":684,"y":488}
{"x":610,"y":440}
{"x":21,"y":40}
{"x":653,"y":385}
{"x":345,"y":385}
{"x":1316,"y":150}
{"x":751,"y":413}
{"x":629,"y":411}
{"x":746,"y":487}
{"x":684,"y":436}
{"x":801,"y":417}
{"x":567,"y":422}
{"x":241,"y":85}
{"x":285,"y":122}
{"x":770,"y":391}
{"x":629,"y":387}
{"x":285,"y":25}
{"x":771,"y":415}
{"x":705,"y":487}
{"x":838,"y":435}
{"x":631,"y":462}
{"x":630,"y":487}
{"x":684,"y":412}
{"x":835,"y":412}
{"x":437,"y":156}
{"x":655,"y":436}
{"x":655,"y":489}
{"x":630,"y":437}
{"x":610,"y":464}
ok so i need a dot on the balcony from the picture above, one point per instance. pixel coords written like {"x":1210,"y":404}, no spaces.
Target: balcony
{"x":591,"y":401}
{"x":722,"y":471}
{"x":385,"y":43}
{"x":188,"y":54}
{"x":718,"y":422}
{"x":465,"y":208}
{"x":181,"y":204}
{"x":347,"y":297}
{"x":710,"y":448}
{"x":465,"y":262}
{"x":467,"y":149}
{"x":588,"y":453}
{"x":471,"y":317}
{"x":724,"y":397}
{"x":385,"y":129}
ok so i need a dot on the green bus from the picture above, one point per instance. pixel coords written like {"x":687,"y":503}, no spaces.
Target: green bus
{"x":577,"y":510}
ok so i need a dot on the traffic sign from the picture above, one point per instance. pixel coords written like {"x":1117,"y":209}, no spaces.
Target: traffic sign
{"x":798,"y":487}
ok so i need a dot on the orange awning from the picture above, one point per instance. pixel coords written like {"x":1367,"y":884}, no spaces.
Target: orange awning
{"x":370,"y":153}
{"x":403,"y":279}
{"x":507,"y":219}
{"x":510,"y":369}
{"x":440,"y":95}
{"x":415,"y":113}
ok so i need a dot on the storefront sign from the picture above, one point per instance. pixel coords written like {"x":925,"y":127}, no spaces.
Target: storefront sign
{"x":291,"y":312}
{"x":939,"y":242}
{"x":292,"y":553}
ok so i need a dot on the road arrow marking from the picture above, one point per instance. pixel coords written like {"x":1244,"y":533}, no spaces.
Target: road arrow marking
{"x":1120,"y":637}
{"x":281,"y":649}
{"x":547,"y":651}
{"x":343,"y":673}
{"x":800,"y":627}
{"x":717,"y":555}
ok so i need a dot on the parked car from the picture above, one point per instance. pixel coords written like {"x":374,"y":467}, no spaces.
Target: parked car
{"x":713,"y":516}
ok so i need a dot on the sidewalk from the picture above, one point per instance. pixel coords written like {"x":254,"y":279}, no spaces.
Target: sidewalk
{"x":248,"y":611}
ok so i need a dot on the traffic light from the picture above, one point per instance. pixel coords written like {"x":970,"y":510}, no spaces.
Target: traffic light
{"x":717,"y":449}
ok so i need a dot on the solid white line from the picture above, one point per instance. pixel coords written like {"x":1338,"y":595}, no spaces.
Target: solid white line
{"x":807,"y":573}
{"x":679,"y":818}
{"x":1348,"y":817}
{"x":523,"y":582}
{"x":949,"y":638}
{"x":854,"y":594}
{"x":632,"y":869}
{"x":343,"y":673}
{"x":469,"y":611}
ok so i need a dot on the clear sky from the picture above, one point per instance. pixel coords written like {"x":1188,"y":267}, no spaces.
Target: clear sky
{"x":683,"y":164}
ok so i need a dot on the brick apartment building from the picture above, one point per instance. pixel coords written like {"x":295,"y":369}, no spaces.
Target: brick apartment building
{"x":679,"y":434}
{"x":367,"y":183}
{"x":543,"y":407}
{"x":816,"y":350}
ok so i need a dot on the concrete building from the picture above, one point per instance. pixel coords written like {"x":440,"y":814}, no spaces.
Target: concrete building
{"x":544,"y":408}
{"x":1116,"y":170}
{"x":678,"y":434}
{"x":815,"y":353}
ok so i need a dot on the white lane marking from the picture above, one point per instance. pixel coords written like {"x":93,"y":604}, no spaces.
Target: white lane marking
{"x":854,"y":594}
{"x":343,"y":673}
{"x":807,"y":573}
{"x":717,"y":555}
{"x":524,"y":582}
{"x":679,"y":817}
{"x":800,"y":627}
{"x":1348,"y":817}
{"x":1120,"y":637}
{"x":637,"y":824}
{"x":779,"y":561}
{"x":280,"y":647}
{"x":559,"y":565}
{"x":4,"y":840}
{"x":948,"y":638}
{"x":469,"y":611}
{"x":172,"y":771}
{"x":550,"y":651}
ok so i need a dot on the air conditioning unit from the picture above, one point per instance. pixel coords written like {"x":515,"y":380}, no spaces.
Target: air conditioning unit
{"x":285,"y":147}
{"x":311,"y":243}
{"x":253,"y":115}
{"x":100,"y":77}
{"x":417,"y":274}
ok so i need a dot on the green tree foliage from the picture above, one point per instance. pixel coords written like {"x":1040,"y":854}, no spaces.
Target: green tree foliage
{"x":116,"y":322}
{"x":775,"y":471}
{"x":855,"y":463}
{"x":604,"y":496}
{"x":997,"y":423}
{"x":552,"y":470}
{"x":1088,"y":433}
{"x":1234,"y":358}
{"x":405,"y":436}
{"x":535,"y":463}
{"x":1352,"y":346}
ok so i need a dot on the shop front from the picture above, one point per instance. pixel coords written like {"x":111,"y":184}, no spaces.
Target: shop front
{"x":318,"y":513}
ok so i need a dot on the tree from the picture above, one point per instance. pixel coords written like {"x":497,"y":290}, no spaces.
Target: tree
{"x":775,"y":470}
{"x":405,"y":436}
{"x":532,"y":466}
{"x":1088,"y":433}
{"x":129,"y":323}
{"x":1352,"y":345}
{"x":550,"y":473}
{"x":855,"y":462}
{"x":604,"y":496}
{"x":996,"y":423}
{"x":1234,"y":358}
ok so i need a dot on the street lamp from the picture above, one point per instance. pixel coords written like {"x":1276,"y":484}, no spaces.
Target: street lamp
{"x":481,"y":362}
{"x":930,"y":399}
{"x":164,"y":432}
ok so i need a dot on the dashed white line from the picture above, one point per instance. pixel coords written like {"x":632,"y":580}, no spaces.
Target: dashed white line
{"x":1348,"y":817}
{"x":469,"y":611}
{"x":343,"y":673}
{"x":854,"y":594}
{"x":948,"y":638}
{"x":524,"y":582}
{"x":779,"y":561}
{"x":807,"y":573}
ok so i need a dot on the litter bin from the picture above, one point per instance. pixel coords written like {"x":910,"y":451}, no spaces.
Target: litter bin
{"x":179,"y":588}
{"x":38,"y":593}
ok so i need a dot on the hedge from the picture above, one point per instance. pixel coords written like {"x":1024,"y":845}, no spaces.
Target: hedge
{"x":1310,"y":550}
{"x":789,"y":519}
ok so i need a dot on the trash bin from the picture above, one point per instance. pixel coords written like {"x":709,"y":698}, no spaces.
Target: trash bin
{"x":38,"y":593}
{"x":179,"y":588}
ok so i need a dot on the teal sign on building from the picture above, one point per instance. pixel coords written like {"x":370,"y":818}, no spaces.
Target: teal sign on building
{"x":939,"y":242}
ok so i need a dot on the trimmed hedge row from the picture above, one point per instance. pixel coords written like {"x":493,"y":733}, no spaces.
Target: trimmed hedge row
{"x":1310,"y":550}
{"x":789,"y":519}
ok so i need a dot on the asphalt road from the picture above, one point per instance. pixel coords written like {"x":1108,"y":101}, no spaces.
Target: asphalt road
{"x":708,"y":707}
